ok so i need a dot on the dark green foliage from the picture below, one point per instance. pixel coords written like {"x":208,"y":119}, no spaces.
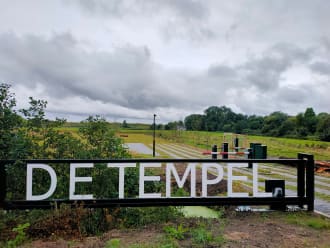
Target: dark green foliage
{"x":101,"y":140}
{"x":323,"y":127}
{"x":9,"y":121}
{"x":194,"y":122}
{"x":273,"y":124}
{"x":201,"y":236}
{"x":310,"y":120}
{"x":36,"y":137}
{"x":176,"y":125}
{"x":278,"y":124}
{"x":176,"y":232}
{"x":125,"y":125}
{"x":20,"y":236}
{"x":149,"y":215}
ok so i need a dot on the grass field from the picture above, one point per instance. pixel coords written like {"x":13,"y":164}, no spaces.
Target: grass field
{"x":277,"y":147}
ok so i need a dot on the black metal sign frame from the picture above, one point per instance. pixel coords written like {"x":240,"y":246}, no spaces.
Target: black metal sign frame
{"x":305,"y":187}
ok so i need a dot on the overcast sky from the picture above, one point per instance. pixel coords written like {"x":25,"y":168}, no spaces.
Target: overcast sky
{"x":131,"y":59}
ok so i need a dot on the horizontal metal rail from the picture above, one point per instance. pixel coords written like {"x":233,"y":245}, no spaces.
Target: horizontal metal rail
{"x":96,"y":161}
{"x":305,"y":186}
{"x":225,"y":153}
{"x":145,"y":202}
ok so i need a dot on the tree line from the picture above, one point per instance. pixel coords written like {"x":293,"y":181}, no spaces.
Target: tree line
{"x":306,"y":124}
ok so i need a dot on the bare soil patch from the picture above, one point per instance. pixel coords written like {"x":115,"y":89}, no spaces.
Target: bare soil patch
{"x":271,"y":230}
{"x":243,"y":229}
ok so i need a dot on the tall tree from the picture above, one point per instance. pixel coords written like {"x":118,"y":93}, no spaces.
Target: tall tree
{"x":194,"y":122}
{"x":217,"y":117}
{"x":310,"y":120}
{"x":9,"y":121}
{"x":273,"y":123}
{"x":101,"y":140}
{"x":323,"y":127}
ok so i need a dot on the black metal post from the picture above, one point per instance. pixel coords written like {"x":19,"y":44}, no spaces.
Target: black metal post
{"x":154,"y":138}
{"x":214,"y":152}
{"x":225,"y":149}
{"x":236,"y":144}
{"x":310,"y":191}
{"x":301,"y":178}
{"x":250,"y":156}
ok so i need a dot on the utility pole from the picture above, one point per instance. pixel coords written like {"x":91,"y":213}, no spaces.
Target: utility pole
{"x":154,"y":138}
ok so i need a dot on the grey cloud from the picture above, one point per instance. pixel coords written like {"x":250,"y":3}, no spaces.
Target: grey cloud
{"x":290,"y":52}
{"x":104,"y":7}
{"x":188,"y":8}
{"x":185,"y":9}
{"x":126,"y":77}
{"x":326,"y":43}
{"x":295,"y":99}
{"x":256,"y":86}
{"x":182,"y":19}
{"x":265,"y":72}
{"x":292,"y":95}
{"x":322,"y":68}
{"x":261,"y":22}
{"x":230,"y":32}
{"x":171,"y":30}
{"x":221,"y":71}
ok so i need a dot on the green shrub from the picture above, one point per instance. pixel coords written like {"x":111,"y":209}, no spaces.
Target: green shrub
{"x":112,"y":243}
{"x":176,"y":232}
{"x":306,"y":219}
{"x":318,"y":224}
{"x":201,"y":236}
{"x":20,"y":236}
{"x":142,"y":216}
{"x":180,"y":192}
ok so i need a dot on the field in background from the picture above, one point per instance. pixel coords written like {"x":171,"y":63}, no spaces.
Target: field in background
{"x":113,"y":125}
{"x":277,"y":147}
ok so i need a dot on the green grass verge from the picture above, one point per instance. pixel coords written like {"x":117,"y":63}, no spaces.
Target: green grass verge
{"x":308,"y":219}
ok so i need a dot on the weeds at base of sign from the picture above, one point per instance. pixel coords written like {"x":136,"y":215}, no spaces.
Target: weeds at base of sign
{"x":309,"y":219}
{"x":198,"y":232}
{"x":20,"y":237}
{"x":178,"y":232}
{"x":112,"y":243}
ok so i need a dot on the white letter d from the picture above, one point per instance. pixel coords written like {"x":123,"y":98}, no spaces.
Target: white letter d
{"x":29,"y":176}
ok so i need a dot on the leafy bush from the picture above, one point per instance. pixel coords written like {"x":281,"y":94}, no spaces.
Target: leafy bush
{"x":112,"y":243}
{"x":20,"y":236}
{"x":176,"y":232}
{"x":201,"y":236}
{"x":142,"y":216}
